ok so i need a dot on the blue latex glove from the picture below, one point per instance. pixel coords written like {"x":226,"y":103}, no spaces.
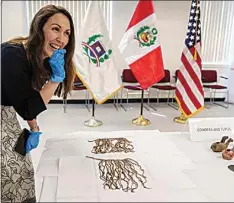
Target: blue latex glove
{"x":57,"y":65}
{"x":33,"y":141}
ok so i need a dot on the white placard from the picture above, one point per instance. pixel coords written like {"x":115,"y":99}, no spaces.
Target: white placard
{"x":202,"y":129}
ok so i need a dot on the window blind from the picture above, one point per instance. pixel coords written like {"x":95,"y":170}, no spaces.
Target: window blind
{"x":217,"y":20}
{"x":76,"y":8}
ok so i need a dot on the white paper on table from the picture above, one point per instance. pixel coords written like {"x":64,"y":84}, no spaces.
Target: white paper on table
{"x":49,"y":188}
{"x":76,"y":178}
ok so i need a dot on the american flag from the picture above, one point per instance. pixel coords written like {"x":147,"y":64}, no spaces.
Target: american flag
{"x":189,"y":90}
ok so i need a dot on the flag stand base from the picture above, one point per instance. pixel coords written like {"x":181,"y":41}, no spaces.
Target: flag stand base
{"x":93,"y":122}
{"x":180,"y":119}
{"x":141,"y":121}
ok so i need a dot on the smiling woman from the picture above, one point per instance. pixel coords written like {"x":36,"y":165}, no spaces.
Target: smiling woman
{"x":34,"y":68}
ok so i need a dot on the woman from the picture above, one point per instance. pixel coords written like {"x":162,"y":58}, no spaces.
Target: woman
{"x":34,"y":68}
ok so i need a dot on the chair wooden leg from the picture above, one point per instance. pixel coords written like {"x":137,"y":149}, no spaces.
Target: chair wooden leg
{"x":145,"y":105}
{"x":127,"y":99}
{"x":148,"y":97}
{"x":157,"y":96}
{"x":168,"y":96}
{"x":115,"y":102}
{"x":149,"y":104}
{"x":121,"y":100}
{"x":227,"y":99}
{"x":210,"y":97}
{"x":121,"y":96}
{"x":172,"y":103}
{"x":65,"y":105}
{"x":152,"y":107}
{"x":87,"y":100}
{"x":211,"y":93}
{"x":214,"y":92}
{"x":223,"y":105}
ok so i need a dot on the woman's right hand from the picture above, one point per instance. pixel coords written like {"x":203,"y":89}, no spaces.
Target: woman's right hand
{"x":57,"y":65}
{"x":33,"y":141}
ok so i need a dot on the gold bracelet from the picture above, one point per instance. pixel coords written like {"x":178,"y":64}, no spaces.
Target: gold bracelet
{"x":35,"y":128}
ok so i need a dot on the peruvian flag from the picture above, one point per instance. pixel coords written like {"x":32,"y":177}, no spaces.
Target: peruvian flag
{"x":141,"y":47}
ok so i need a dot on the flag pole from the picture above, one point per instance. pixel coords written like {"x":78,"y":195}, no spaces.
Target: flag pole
{"x":93,"y":108}
{"x":142,"y":97}
{"x":93,"y":122}
{"x":195,"y":53}
{"x":141,"y":120}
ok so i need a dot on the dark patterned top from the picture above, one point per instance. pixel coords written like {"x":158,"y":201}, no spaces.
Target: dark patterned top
{"x":16,"y":77}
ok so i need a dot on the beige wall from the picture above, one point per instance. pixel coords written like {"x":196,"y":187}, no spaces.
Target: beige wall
{"x":13,"y":19}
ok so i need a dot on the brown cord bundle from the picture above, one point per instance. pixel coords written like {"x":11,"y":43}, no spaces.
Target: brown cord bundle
{"x":108,"y":145}
{"x":121,"y":174}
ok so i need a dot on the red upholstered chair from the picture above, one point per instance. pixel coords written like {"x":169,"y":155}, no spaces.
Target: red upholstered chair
{"x":78,"y":86}
{"x":131,"y":85}
{"x":211,"y":81}
{"x":164,"y":85}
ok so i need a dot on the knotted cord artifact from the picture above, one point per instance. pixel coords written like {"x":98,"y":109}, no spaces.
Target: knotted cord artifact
{"x":111,"y":145}
{"x":125,"y":174}
{"x":228,"y":154}
{"x":220,"y":146}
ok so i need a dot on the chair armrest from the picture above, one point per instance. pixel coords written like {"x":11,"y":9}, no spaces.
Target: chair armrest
{"x":224,"y":77}
{"x":77,"y":84}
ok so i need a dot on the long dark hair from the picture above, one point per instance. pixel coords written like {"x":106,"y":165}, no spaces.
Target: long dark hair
{"x":34,"y":49}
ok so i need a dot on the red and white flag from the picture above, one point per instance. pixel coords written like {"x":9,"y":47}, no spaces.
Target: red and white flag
{"x":141,"y":47}
{"x":189,"y":90}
